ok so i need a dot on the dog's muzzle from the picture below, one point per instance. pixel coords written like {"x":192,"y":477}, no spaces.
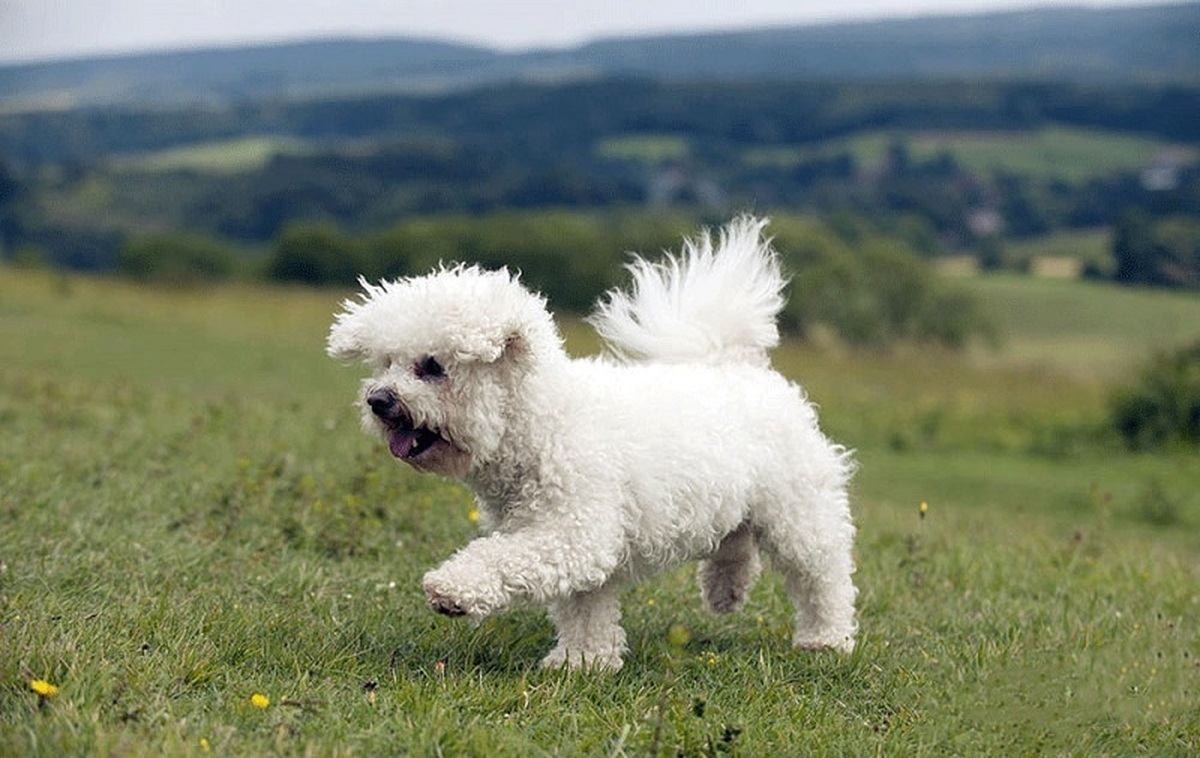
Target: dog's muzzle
{"x":406,"y":440}
{"x":385,"y":404}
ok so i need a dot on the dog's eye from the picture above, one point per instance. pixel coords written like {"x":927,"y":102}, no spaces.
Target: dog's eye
{"x":429,"y":368}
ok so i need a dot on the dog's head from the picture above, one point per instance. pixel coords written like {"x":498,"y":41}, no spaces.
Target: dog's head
{"x":449,"y":354}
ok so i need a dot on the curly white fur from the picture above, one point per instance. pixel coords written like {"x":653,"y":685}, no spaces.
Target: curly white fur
{"x":590,"y":473}
{"x":701,"y":307}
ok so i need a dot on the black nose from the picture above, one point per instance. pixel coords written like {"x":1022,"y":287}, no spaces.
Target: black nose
{"x":383,"y":402}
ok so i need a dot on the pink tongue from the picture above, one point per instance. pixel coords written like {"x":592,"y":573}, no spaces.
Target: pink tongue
{"x":401,"y":443}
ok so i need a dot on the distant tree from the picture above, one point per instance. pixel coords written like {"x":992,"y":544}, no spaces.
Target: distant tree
{"x":29,"y":257}
{"x":1178,"y":243}
{"x":175,"y":259}
{"x":10,"y":192}
{"x":569,"y":256}
{"x":1162,"y":253}
{"x":9,"y":186}
{"x":1133,"y":250}
{"x":315,"y":254}
{"x":898,"y":161}
{"x":1163,"y":406}
{"x":1025,"y":211}
{"x":874,"y":292}
{"x":991,"y":253}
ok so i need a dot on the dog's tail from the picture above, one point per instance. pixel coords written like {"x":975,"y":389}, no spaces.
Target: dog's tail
{"x":711,"y":304}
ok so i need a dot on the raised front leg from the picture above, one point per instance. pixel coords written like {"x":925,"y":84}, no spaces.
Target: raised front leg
{"x":542,"y":565}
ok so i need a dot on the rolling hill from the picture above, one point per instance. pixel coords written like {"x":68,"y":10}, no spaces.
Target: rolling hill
{"x":1136,"y":44}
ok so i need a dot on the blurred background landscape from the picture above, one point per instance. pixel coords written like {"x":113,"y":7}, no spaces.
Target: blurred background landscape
{"x":1056,"y":141}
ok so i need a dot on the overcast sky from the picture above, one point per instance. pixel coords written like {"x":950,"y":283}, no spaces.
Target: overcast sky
{"x":41,"y":29}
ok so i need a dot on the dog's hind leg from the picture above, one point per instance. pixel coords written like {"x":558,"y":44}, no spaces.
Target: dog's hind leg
{"x":589,"y":631}
{"x":824,"y":611}
{"x":727,"y":577}
{"x":817,"y":572}
{"x":804,"y":526}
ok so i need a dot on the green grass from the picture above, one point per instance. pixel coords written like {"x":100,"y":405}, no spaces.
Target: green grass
{"x":1087,"y":329}
{"x":645,"y":148}
{"x":1089,"y":246}
{"x":221,"y":158}
{"x":1052,"y":153}
{"x":189,"y":516}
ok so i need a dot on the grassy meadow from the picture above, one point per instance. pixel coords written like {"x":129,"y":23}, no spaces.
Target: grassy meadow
{"x":1055,"y":153}
{"x":1074,"y":154}
{"x":222,"y":157}
{"x":201,"y":553}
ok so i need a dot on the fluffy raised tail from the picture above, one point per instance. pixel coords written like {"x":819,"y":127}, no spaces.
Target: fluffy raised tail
{"x":708,"y":304}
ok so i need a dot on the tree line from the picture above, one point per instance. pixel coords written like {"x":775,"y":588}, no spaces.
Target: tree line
{"x":566,"y":119}
{"x":847,"y":279}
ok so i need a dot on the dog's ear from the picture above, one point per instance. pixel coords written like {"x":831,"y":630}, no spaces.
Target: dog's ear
{"x":503,"y":342}
{"x":479,"y":347}
{"x":344,"y":341}
{"x":349,"y":336}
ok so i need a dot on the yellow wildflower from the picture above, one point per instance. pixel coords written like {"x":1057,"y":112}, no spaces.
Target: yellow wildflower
{"x":678,"y":635}
{"x":43,"y":688}
{"x":204,"y":746}
{"x":924,"y":508}
{"x":259,"y":701}
{"x":473,"y":516}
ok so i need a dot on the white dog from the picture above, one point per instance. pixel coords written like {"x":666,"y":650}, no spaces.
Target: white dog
{"x":683,"y":444}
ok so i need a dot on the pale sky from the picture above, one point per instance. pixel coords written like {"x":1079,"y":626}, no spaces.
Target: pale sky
{"x":44,"y":29}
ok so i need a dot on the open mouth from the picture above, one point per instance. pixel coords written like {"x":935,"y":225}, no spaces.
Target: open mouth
{"x":406,"y":440}
{"x":407,"y":443}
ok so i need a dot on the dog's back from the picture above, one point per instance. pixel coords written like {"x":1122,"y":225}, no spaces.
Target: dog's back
{"x":710,"y":304}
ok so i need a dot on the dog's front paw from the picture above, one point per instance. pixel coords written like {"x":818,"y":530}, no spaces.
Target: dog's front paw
{"x":447,"y":606}
{"x":448,"y":599}
{"x":442,"y":599}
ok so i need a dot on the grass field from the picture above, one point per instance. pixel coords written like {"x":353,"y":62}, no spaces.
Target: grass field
{"x":1053,"y":153}
{"x":221,"y":158}
{"x":1087,"y":246}
{"x":190,"y":518}
{"x":1087,"y":329}
{"x":647,"y":148}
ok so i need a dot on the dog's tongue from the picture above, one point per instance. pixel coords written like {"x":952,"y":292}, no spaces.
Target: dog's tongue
{"x":402,"y":442}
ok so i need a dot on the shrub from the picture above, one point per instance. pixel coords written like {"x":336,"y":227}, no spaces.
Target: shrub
{"x":1163,"y":406}
{"x":875,"y":292}
{"x":1163,"y":253}
{"x":315,"y":254}
{"x":29,"y":257}
{"x":570,"y":257}
{"x":175,"y":259}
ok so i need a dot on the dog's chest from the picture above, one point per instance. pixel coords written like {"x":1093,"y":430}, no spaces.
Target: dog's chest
{"x":509,"y":487}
